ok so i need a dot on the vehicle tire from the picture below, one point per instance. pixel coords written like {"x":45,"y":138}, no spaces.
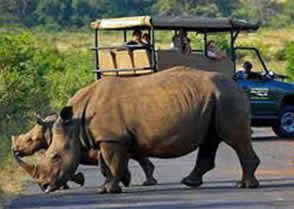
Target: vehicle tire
{"x":284,"y":126}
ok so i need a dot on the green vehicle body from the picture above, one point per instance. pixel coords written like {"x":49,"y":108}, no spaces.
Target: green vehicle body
{"x":267,"y":98}
{"x":271,"y":99}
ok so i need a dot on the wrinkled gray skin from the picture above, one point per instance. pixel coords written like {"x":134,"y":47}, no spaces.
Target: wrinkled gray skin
{"x":164,"y":115}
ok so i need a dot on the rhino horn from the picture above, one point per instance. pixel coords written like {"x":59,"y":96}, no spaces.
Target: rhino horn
{"x":39,"y":119}
{"x":30,"y":169}
{"x":13,"y":138}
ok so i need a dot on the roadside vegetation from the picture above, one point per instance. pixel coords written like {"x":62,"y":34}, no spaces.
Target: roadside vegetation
{"x":35,"y":78}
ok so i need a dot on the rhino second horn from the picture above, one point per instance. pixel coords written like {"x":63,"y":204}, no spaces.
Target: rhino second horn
{"x":13,"y":138}
{"x":30,"y":169}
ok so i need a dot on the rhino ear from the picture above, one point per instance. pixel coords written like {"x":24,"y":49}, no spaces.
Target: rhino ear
{"x":66,"y":113}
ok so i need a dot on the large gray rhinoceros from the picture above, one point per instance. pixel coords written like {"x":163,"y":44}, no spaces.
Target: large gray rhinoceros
{"x":164,"y":115}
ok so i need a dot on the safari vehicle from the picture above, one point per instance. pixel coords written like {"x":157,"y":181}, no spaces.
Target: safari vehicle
{"x":272,"y":100}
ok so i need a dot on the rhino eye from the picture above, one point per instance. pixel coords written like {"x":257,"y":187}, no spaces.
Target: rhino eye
{"x":55,"y":157}
{"x":29,"y":140}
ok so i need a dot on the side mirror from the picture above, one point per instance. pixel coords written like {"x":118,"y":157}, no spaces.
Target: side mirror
{"x":272,"y":74}
{"x":268,"y":76}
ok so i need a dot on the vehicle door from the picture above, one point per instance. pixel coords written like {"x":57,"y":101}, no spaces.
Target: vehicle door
{"x":262,"y":96}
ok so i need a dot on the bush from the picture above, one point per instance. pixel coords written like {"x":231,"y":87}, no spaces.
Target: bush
{"x":290,"y":60}
{"x":76,"y":74}
{"x":281,"y":54}
{"x":21,"y":83}
{"x":35,"y":78}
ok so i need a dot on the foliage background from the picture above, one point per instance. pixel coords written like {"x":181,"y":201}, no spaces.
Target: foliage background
{"x":55,"y":14}
{"x":35,"y":78}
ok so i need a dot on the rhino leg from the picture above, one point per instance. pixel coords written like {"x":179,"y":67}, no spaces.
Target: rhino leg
{"x":249,"y":162}
{"x":105,"y":170}
{"x":116,"y":159}
{"x":204,"y":163}
{"x":239,"y":138}
{"x":78,"y":178}
{"x":148,"y":169}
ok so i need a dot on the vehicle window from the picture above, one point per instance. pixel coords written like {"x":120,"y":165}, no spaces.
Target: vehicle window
{"x":111,"y":38}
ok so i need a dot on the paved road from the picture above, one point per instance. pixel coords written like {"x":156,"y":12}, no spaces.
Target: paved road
{"x":276,"y":174}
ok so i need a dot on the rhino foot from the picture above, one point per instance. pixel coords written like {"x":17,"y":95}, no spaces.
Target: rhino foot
{"x":192,"y":181}
{"x":79,"y":179}
{"x":150,"y":182}
{"x":127,"y":179}
{"x":102,"y":190}
{"x":250,"y":183}
{"x":64,"y":187}
{"x":110,"y":188}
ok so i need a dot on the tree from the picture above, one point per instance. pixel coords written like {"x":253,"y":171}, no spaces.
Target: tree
{"x":18,"y":11}
{"x":258,"y":10}
{"x":54,"y":11}
{"x":187,"y":7}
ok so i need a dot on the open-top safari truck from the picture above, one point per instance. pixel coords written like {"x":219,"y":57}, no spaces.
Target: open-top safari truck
{"x":272,"y":101}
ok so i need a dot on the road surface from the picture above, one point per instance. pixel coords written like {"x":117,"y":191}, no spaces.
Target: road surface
{"x":276,"y":175}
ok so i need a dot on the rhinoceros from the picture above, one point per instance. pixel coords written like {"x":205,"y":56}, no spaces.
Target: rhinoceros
{"x":164,"y":115}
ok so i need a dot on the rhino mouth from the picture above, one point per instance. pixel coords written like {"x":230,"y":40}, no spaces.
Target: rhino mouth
{"x":18,"y":153}
{"x":47,"y":188}
{"x":21,"y":153}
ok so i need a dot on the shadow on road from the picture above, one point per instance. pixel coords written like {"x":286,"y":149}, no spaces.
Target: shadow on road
{"x":271,"y":138}
{"x":152,"y":197}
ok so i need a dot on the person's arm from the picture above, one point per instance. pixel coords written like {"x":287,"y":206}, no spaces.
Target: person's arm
{"x":212,"y":54}
{"x":215,"y":55}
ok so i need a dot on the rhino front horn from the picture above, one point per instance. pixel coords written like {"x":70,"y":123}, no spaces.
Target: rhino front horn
{"x":30,"y":169}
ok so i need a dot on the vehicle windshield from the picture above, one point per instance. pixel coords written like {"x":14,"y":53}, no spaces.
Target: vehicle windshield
{"x":249,"y":56}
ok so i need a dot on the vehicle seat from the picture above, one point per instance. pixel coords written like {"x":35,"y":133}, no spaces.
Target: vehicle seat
{"x":171,"y":58}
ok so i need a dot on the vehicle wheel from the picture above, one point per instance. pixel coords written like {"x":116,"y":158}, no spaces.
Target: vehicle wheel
{"x":284,"y":126}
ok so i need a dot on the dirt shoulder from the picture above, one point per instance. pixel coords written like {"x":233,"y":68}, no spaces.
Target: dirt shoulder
{"x":12,"y":181}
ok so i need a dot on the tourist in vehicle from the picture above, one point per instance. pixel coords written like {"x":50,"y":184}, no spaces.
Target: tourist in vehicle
{"x":212,"y":51}
{"x":186,"y":44}
{"x":247,"y":73}
{"x":181,"y":42}
{"x":136,"y":38}
{"x":176,"y":42}
{"x":145,"y":39}
{"x":247,"y":66}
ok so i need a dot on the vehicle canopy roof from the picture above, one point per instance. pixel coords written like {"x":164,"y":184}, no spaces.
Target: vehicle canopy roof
{"x":194,"y":23}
